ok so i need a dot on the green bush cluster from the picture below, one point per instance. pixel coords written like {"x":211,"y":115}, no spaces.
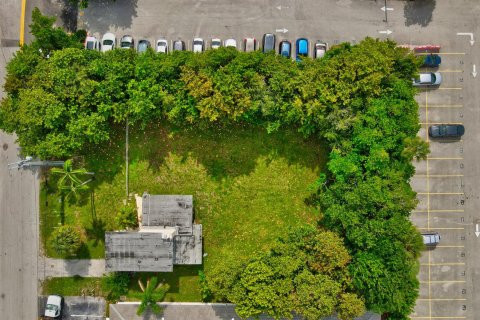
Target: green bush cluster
{"x":126,"y":217}
{"x":65,"y":240}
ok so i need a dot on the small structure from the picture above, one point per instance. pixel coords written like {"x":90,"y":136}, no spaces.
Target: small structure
{"x":167,"y":236}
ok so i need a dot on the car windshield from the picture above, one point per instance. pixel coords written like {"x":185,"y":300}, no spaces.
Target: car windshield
{"x":197,"y":42}
{"x":215,"y":43}
{"x":90,"y":45}
{"x":51,"y":307}
{"x":107,"y":42}
{"x":434,"y":79}
{"x":125,"y":44}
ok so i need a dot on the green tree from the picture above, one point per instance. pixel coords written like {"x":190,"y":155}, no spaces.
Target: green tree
{"x":152,"y":293}
{"x":49,"y":38}
{"x":65,"y":240}
{"x":69,"y":182}
{"x":127,"y":217}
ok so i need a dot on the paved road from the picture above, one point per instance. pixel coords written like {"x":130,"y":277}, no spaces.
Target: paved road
{"x":18,"y":202}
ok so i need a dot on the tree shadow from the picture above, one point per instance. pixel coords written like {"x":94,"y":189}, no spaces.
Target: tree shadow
{"x":102,"y":15}
{"x":69,"y":15}
{"x":419,"y":12}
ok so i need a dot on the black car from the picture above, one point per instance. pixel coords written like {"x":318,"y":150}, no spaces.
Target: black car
{"x":446,"y":131}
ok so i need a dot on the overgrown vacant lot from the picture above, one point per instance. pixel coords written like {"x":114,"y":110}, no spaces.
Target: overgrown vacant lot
{"x":249,"y":187}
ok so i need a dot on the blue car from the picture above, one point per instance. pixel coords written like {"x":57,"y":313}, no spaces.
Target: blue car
{"x":285,"y":48}
{"x":302,"y":49}
{"x":432,"y":61}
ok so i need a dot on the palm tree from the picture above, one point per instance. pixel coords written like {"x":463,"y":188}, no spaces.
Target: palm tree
{"x":151,"y":295}
{"x":69,"y":182}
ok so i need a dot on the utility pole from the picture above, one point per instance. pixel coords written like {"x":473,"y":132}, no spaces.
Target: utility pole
{"x":126,"y":159}
{"x":386,"y":16}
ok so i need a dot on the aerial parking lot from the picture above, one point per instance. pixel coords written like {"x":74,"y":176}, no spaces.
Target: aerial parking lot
{"x":446,"y":182}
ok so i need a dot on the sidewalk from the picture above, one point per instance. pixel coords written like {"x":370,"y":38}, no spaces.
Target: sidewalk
{"x":48,"y":267}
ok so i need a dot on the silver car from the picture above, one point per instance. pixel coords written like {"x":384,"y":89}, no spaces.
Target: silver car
{"x":430,"y":238}
{"x":249,"y":44}
{"x":162,"y":45}
{"x":427,"y":79}
{"x":319,"y":49}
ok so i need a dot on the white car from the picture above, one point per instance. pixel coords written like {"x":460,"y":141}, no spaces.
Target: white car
{"x":127,"y":42}
{"x":319,"y":49}
{"x":162,"y":45}
{"x":108,"y":42}
{"x":230,"y":43}
{"x":53,"y":309}
{"x":198,"y":45}
{"x":216,"y":43}
{"x":91,"y":43}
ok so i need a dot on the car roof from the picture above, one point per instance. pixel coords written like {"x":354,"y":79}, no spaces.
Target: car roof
{"x":54,"y":299}
{"x":108,"y":35}
{"x":90,"y":38}
{"x":426,"y":77}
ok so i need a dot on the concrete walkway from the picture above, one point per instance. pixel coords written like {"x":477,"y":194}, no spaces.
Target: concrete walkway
{"x":48,"y":267}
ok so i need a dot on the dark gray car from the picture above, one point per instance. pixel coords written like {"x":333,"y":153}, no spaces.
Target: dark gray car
{"x":446,"y":131}
{"x":143,"y":45}
{"x":178,"y":45}
{"x":268,"y":42}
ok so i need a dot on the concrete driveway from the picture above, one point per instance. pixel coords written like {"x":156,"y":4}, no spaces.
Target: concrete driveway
{"x":78,"y":308}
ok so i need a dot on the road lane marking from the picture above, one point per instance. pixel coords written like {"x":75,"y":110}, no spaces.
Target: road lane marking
{"x":22,"y":22}
{"x":446,"y":158}
{"x":443,"y":53}
{"x":439,"y":317}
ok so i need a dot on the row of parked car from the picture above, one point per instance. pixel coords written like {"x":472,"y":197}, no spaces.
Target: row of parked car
{"x":268,"y":43}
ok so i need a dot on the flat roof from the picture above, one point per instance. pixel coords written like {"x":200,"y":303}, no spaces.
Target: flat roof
{"x":138,"y":251}
{"x":168,"y":210}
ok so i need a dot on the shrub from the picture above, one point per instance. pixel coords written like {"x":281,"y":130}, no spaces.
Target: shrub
{"x":66,"y":240}
{"x":126,"y":218}
{"x":117,"y":283}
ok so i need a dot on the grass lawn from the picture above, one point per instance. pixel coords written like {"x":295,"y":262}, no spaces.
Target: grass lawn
{"x":249,"y":187}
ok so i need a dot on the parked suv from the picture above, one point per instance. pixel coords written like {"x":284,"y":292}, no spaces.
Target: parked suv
{"x":446,"y":131}
{"x":268,"y":42}
{"x":91,"y":43}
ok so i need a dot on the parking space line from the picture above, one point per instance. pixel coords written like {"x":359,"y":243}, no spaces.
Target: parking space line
{"x":441,"y":299}
{"x":443,"y":263}
{"x":438,"y":175}
{"x":452,"y":88}
{"x":443,"y":71}
{"x":450,"y":246}
{"x":429,"y":123}
{"x":440,"y":317}
{"x":443,"y":53}
{"x":420,"y":211}
{"x":443,"y":228}
{"x":444,"y":106}
{"x":446,"y":158}
{"x":444,"y":281}
{"x":441,"y":193}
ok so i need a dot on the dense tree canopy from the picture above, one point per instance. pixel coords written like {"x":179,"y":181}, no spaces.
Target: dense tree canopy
{"x":359,"y":99}
{"x":304,"y":273}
